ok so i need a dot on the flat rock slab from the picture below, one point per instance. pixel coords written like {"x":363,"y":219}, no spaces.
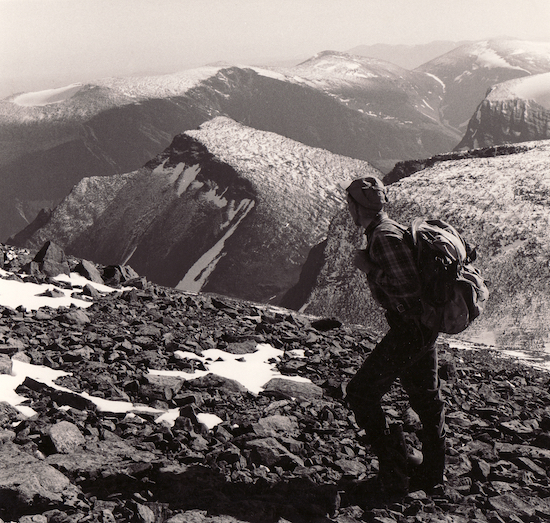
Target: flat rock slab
{"x":294,"y":389}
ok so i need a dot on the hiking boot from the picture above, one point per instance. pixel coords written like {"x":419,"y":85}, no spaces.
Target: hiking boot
{"x":429,"y":473}
{"x":393,"y":463}
{"x":425,"y":479}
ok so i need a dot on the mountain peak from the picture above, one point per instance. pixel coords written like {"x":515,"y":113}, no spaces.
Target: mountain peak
{"x":339,"y":64}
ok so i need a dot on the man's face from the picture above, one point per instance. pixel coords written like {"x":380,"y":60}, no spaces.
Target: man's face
{"x":352,"y":206}
{"x":353,"y":210}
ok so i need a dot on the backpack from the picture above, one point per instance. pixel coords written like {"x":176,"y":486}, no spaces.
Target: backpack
{"x":453,"y":291}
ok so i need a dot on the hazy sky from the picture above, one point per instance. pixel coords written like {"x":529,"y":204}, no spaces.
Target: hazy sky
{"x":50,"y":43}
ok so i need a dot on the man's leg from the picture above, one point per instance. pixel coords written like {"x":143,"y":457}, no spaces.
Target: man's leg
{"x":397,"y":351}
{"x":421,"y":382}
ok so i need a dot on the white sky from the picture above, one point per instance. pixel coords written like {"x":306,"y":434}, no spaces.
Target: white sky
{"x":50,"y":43}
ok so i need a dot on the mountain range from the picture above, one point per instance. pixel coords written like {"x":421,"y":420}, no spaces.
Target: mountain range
{"x":54,"y":139}
{"x":239,"y":210}
{"x":350,"y":105}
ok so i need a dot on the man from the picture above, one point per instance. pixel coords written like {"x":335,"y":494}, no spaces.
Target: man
{"x":407,"y":351}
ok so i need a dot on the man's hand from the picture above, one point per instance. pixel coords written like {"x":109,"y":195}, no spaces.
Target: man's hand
{"x":361,"y":261}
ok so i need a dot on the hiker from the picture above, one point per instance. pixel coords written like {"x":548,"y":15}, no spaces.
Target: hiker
{"x":407,"y":351}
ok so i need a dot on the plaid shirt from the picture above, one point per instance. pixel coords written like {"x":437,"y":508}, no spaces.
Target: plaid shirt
{"x":393,"y":277}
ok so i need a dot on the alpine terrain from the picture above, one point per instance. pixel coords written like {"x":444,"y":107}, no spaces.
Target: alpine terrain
{"x":225,"y":208}
{"x":52,"y":139}
{"x":500,"y":202}
{"x":146,"y":404}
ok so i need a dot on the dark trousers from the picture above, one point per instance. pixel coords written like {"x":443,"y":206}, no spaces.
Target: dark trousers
{"x":407,"y":352}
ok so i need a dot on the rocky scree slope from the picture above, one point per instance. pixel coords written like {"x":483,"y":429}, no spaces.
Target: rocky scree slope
{"x":291,"y":453}
{"x":225,"y":209}
{"x":500,"y":204}
{"x":52,"y":140}
{"x":512,"y":112}
{"x":469,"y":71}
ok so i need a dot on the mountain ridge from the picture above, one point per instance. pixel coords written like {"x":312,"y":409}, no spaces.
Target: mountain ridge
{"x":237,"y":208}
{"x":499,"y":204}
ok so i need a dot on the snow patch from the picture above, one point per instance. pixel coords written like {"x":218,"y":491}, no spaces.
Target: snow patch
{"x":197,"y":276}
{"x":252,"y":370}
{"x":15,"y":293}
{"x":490,"y":59}
{"x":187,"y":177}
{"x":436,"y":79}
{"x":269,"y":74}
{"x":217,"y":199}
{"x":47,"y":376}
{"x":47,"y":97}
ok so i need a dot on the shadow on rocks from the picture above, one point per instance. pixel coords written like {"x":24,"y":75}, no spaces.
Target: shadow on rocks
{"x":297,"y":500}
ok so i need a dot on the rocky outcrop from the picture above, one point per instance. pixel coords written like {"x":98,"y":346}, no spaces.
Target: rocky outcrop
{"x":225,"y":209}
{"x":512,"y":121}
{"x":512,"y":112}
{"x":288,"y":453}
{"x":408,"y":167}
{"x":500,"y":205}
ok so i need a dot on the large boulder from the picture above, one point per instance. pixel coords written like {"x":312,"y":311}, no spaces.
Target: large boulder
{"x":50,"y":260}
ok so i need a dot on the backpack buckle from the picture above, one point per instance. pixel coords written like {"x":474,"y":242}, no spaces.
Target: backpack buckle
{"x":400,"y":308}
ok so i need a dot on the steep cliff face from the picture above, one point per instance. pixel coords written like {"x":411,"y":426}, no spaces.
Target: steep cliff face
{"x":512,"y":112}
{"x":225,"y":209}
{"x":500,"y":204}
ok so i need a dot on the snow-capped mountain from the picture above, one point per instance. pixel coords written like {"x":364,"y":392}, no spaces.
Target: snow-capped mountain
{"x":500,"y":204}
{"x":513,"y":111}
{"x":53,"y":139}
{"x":376,"y":88}
{"x":469,"y":71}
{"x":226,"y":209}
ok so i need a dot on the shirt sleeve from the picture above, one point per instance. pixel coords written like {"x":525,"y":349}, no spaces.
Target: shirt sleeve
{"x":395,"y":277}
